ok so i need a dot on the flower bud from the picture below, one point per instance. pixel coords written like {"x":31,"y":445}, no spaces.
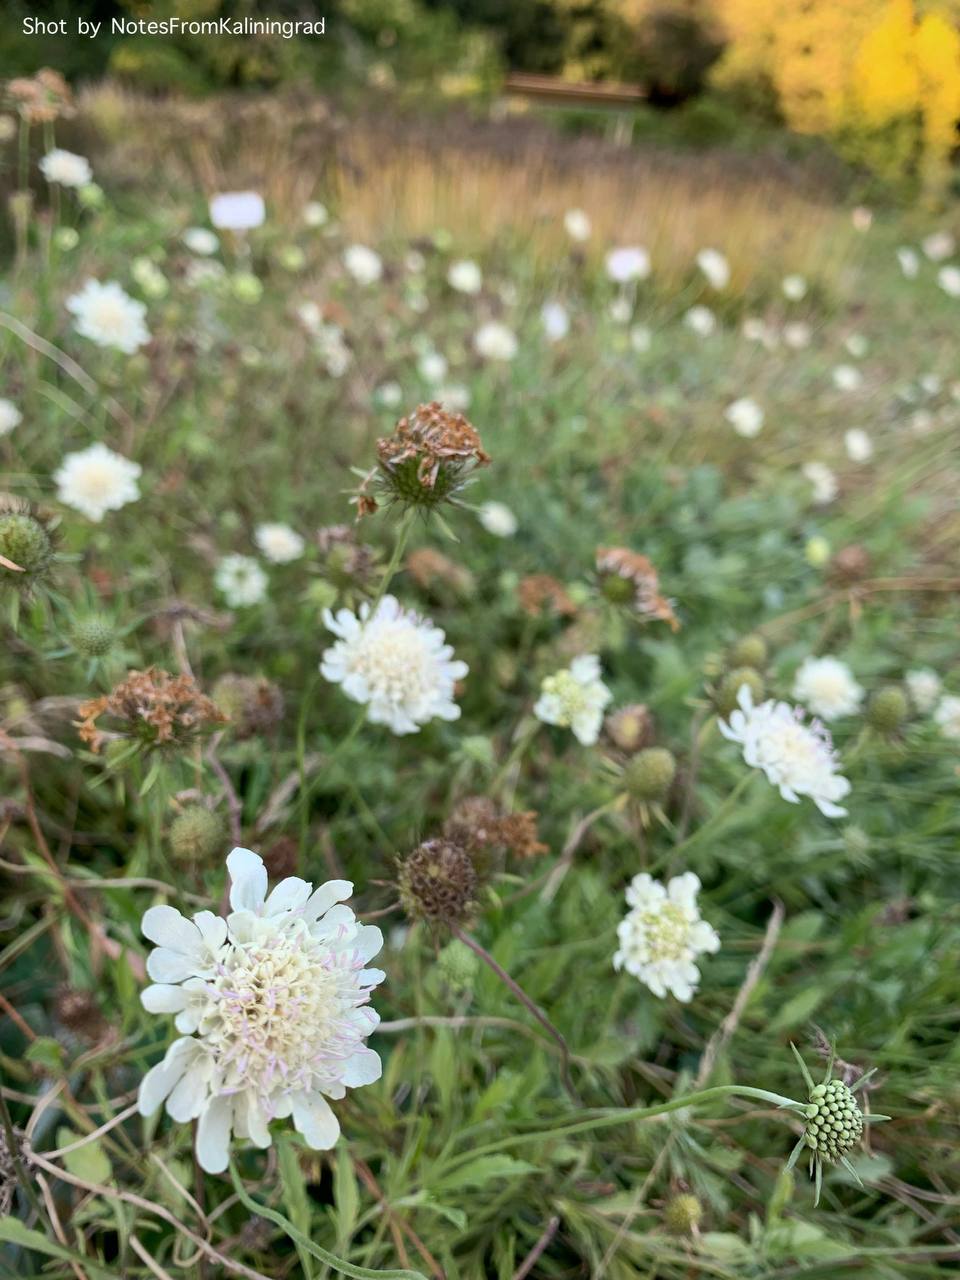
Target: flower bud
{"x":252,"y":704}
{"x":834,"y":1121}
{"x":733,"y":682}
{"x":196,"y":835}
{"x":887,"y":710}
{"x":649,"y":775}
{"x":749,"y":651}
{"x":630,"y":728}
{"x":437,"y":883}
{"x":458,"y":966}
{"x":26,"y":543}
{"x":94,"y":636}
{"x":682,"y":1215}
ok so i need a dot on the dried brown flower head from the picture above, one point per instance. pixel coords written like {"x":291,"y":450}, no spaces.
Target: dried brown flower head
{"x":540,"y":594}
{"x":438,"y":883}
{"x":153,"y":709}
{"x":630,"y":728}
{"x":482,"y":828}
{"x":347,"y":560}
{"x":429,"y":567}
{"x":79,"y":1012}
{"x":42,"y":98}
{"x":850,"y":565}
{"x":426,"y":461}
{"x":252,"y":704}
{"x":628,"y":578}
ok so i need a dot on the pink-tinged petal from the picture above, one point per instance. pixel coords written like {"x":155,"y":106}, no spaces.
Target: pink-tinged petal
{"x":314,"y":1118}
{"x":187,"y":1099}
{"x":163,"y":998}
{"x":168,"y":928}
{"x":161,"y":1079}
{"x":364,"y":1067}
{"x":248,"y":878}
{"x":164,"y":965}
{"x":213,"y":1135}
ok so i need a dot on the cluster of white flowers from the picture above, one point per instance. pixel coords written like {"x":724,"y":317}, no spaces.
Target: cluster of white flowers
{"x":10,"y":417}
{"x":701,"y":320}
{"x":947,"y":715}
{"x":241,"y":581}
{"x":272,"y":1004}
{"x":858,"y":445}
{"x":662,"y":935}
{"x":575,"y":699}
{"x":465,"y":276}
{"x":365,"y":265}
{"x":108,"y":316}
{"x":823,"y":481}
{"x":394,"y":662}
{"x":279,"y":543}
{"x":96,"y":480}
{"x":66,"y":169}
{"x":495,"y":341}
{"x":796,"y":757}
{"x":924,"y":686}
{"x":826,"y":687}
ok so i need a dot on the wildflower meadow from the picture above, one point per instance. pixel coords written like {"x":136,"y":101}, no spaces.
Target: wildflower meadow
{"x":479,"y":703}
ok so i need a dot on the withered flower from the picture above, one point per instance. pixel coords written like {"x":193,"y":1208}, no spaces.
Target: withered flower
{"x":42,"y":98}
{"x":426,"y":462}
{"x":540,"y":594}
{"x":482,"y":828}
{"x":438,"y":883}
{"x":347,"y":561}
{"x":628,"y":578}
{"x":153,"y":709}
{"x":253,"y":704}
{"x":429,"y":567}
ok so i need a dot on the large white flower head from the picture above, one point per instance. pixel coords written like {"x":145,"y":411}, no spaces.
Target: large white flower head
{"x":365,"y":265}
{"x":97,"y":480}
{"x":240,"y":580}
{"x":394,"y":662}
{"x":495,"y":341}
{"x":65,"y":168}
{"x":465,"y":276}
{"x":279,"y":543}
{"x":10,"y":417}
{"x":237,"y":210}
{"x":947,"y":715}
{"x":798,"y":758}
{"x":272,"y":1004}
{"x":575,"y":699}
{"x":745,"y":416}
{"x":624,"y":265}
{"x":662,"y":935}
{"x":108,"y":316}
{"x":827,"y":688}
{"x":924,"y":686}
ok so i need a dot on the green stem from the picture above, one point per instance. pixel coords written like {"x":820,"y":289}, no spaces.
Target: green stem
{"x":721,"y":812}
{"x":403,"y":533}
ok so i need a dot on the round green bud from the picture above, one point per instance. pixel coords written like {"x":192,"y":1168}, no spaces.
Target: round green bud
{"x":834,"y":1121}
{"x":749,"y":651}
{"x":458,"y":966}
{"x":650,"y":774}
{"x":196,"y":834}
{"x":246,"y":287}
{"x":93,"y":637}
{"x":733,"y":682}
{"x":887,"y":709}
{"x":26,"y":543}
{"x":617,"y":589}
{"x":682,"y":1215}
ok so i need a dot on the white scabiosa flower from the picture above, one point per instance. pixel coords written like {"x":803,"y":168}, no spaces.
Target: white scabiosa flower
{"x":577,"y":225}
{"x":66,"y":169}
{"x":465,"y":276}
{"x":279,"y":543}
{"x":924,"y":686}
{"x":823,"y":481}
{"x":10,"y":417}
{"x":662,"y":935}
{"x":947,"y":716}
{"x":108,"y":316}
{"x":948,"y":278}
{"x":97,"y":480}
{"x":200,"y":240}
{"x":454,"y":397}
{"x":432,"y":367}
{"x":272,"y":1006}
{"x":498,"y":519}
{"x":365,"y":265}
{"x":797,"y":758}
{"x":388,"y":394}
{"x":826,"y":687}
{"x":626,"y":264}
{"x":701,"y":320}
{"x":847,"y":377}
{"x":495,"y":341}
{"x":745,"y":416}
{"x":858,"y":445}
{"x":315,"y":214}
{"x":794,"y":287}
{"x":857,"y":345}
{"x":715,"y":267}
{"x":938,"y":245}
{"x":909,"y":261}
{"x":797,"y":335}
{"x":237,"y":210}
{"x":755,"y":329}
{"x":240,"y":580}
{"x":555,"y":320}
{"x":394,"y":662}
{"x":575,"y":699}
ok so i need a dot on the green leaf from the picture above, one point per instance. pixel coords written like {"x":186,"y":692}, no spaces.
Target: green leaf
{"x":483,"y":1170}
{"x":345,"y":1197}
{"x":46,"y":1052}
{"x":295,"y":1197}
{"x":13,"y":1231}
{"x":797,"y":1010}
{"x":89,"y":1162}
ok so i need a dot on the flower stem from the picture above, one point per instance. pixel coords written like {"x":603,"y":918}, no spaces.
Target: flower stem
{"x":722,"y":811}
{"x":399,"y":546}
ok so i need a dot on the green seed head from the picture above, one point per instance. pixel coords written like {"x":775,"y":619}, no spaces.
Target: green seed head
{"x":730,"y":686}
{"x":682,"y":1215}
{"x":26,"y":542}
{"x":649,"y":775}
{"x":749,"y":651}
{"x":196,"y":835}
{"x":617,"y":589}
{"x":834,"y":1121}
{"x":94,"y":636}
{"x":887,"y":710}
{"x":458,"y":966}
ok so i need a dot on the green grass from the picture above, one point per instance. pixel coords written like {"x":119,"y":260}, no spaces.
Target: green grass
{"x":470,"y":1153}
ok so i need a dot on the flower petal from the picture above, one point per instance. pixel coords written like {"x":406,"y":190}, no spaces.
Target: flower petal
{"x":164,"y":965}
{"x":364,"y":1067}
{"x":314,"y":1118}
{"x":163,"y":998}
{"x":213,"y":1135}
{"x":248,"y":877}
{"x":168,"y":928}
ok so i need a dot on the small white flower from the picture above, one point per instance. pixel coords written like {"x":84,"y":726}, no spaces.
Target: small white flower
{"x":924,"y":686}
{"x":797,"y":334}
{"x":662,"y":935}
{"x":939,"y":245}
{"x":454,"y":397}
{"x":847,"y":377}
{"x":857,"y":345}
{"x":333,"y":350}
{"x":97,"y":480}
{"x":241,"y":581}
{"x":621,"y":309}
{"x":389,"y":394}
{"x":555,"y":320}
{"x":745,"y":416}
{"x":201,"y":240}
{"x":701,"y":320}
{"x":794,"y":287}
{"x":279,"y":543}
{"x":947,"y":716}
{"x":641,"y":338}
{"x":315,"y":214}
{"x":495,"y":341}
{"x":827,"y":688}
{"x":575,"y":699}
{"x":858,"y":444}
{"x":310,"y":316}
{"x":754,"y":329}
{"x":272,"y":1006}
{"x":797,"y":758}
{"x":862,"y":218}
{"x":432,"y":366}
{"x":237,"y":210}
{"x":577,"y":224}
{"x":948,"y":278}
{"x":909,"y":261}
{"x":498,"y":519}
{"x":149,"y":277}
{"x":394,"y":662}
{"x":931,"y":383}
{"x":365,"y":265}
{"x":715,"y":267}
{"x":415,"y":262}
{"x":627,"y":264}
{"x":65,"y":168}
{"x":10,"y":417}
{"x":823,"y":480}
{"x":465,"y":276}
{"x":108,"y":316}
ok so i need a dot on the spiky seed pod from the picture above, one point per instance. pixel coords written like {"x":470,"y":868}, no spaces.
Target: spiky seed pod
{"x":887,"y":710}
{"x":458,"y":966}
{"x":252,"y":704}
{"x":725,"y":696}
{"x":650,"y":774}
{"x":749,"y":651}
{"x":196,"y":835}
{"x":438,"y":883}
{"x":682,"y":1215}
{"x":630,"y":728}
{"x":27,"y":544}
{"x":834,"y":1121}
{"x":94,"y":636}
